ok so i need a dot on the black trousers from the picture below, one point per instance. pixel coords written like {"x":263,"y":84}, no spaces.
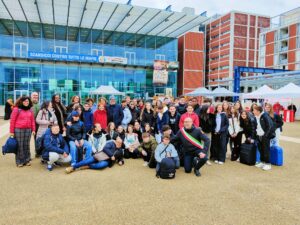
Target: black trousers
{"x":150,"y":159}
{"x":189,"y":159}
{"x":235,"y":144}
{"x":131,"y":155}
{"x":263,"y":144}
{"x":218,"y":146}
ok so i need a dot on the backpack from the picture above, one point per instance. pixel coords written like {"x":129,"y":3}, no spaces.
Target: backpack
{"x":11,"y":146}
{"x":167,"y":168}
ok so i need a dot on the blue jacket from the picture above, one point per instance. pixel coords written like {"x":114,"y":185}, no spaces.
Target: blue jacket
{"x":115,"y":114}
{"x":76,"y":131}
{"x":224,"y":124}
{"x":88,"y":119}
{"x":53,"y":143}
{"x":111,"y":150}
{"x":159,"y":154}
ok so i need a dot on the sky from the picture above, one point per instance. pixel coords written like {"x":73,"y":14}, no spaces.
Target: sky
{"x":265,"y":7}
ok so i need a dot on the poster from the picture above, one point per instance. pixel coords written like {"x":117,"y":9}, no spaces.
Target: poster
{"x":160,"y":72}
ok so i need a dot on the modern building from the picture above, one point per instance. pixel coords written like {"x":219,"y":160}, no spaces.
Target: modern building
{"x":280,"y":43}
{"x":73,"y":47}
{"x":191,"y":60}
{"x":232,"y":40}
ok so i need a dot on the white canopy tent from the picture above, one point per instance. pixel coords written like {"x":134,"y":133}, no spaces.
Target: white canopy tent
{"x":222,"y":92}
{"x":106,"y":90}
{"x":202,"y":91}
{"x":259,"y":93}
{"x":290,"y":90}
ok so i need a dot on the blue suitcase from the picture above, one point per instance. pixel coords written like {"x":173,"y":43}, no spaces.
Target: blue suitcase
{"x":276,"y":155}
{"x":257,"y":155}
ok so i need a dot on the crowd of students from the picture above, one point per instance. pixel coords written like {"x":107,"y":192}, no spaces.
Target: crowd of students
{"x":98,"y":135}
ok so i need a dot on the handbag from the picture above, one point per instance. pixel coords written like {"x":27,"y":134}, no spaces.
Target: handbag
{"x":101,"y":156}
{"x":11,"y":146}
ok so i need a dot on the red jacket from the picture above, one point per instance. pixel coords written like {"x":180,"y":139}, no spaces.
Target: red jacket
{"x":100,"y":116}
{"x":194,"y":117}
{"x":23,"y":119}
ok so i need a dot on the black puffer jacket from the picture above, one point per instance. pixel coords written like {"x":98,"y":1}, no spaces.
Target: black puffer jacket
{"x":76,"y":131}
{"x":249,"y":126}
{"x":148,"y":117}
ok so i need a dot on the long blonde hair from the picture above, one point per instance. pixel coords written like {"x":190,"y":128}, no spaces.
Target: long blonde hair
{"x":271,"y":113}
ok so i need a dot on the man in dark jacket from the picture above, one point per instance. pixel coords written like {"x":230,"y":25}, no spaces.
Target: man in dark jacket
{"x":55,"y":149}
{"x":76,"y":134}
{"x":114,"y":112}
{"x":194,"y":151}
{"x":265,"y":132}
{"x":172,"y":118}
{"x":88,"y":117}
{"x":181,"y":108}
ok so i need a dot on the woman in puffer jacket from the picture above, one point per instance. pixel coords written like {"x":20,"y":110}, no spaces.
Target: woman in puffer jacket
{"x":45,"y":118}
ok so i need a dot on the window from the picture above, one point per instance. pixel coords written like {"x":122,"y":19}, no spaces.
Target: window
{"x":97,"y":52}
{"x":160,"y":57}
{"x":20,"y":49}
{"x":298,"y":42}
{"x":130,"y":57}
{"x":262,"y":40}
{"x":298,"y":28}
{"x":60,"y":49}
{"x":298,"y":55}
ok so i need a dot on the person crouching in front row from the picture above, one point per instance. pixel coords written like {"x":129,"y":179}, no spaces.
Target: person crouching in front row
{"x":111,"y":153}
{"x":55,"y":148}
{"x":147,"y":149}
{"x":163,"y":150}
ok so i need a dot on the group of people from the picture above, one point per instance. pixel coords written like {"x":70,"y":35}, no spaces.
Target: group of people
{"x":98,"y":135}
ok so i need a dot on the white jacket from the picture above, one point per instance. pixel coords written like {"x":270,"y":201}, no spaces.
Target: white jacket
{"x":234,"y":125}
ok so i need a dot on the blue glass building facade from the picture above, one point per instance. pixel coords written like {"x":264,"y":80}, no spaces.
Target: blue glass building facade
{"x":20,"y":74}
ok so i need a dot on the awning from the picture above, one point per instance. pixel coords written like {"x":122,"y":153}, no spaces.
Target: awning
{"x":106,"y":90}
{"x":202,"y":91}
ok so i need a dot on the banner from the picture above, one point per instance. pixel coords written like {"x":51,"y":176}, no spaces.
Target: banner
{"x":160,"y":72}
{"x":76,"y":58}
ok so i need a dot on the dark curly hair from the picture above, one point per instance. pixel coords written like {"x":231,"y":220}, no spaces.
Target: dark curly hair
{"x":19,"y":102}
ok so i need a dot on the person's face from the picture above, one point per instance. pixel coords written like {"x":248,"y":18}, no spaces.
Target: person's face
{"x":132,"y":105}
{"x":112,"y":126}
{"x":75,"y":118}
{"x":190,"y":109}
{"x":182,"y":101}
{"x":166,"y":141}
{"x":130,"y":130}
{"x":148,"y":106}
{"x":98,"y":127}
{"x":244,"y":116}
{"x":194,"y":102}
{"x":219,"y":109}
{"x":141,"y":103}
{"x":119,"y":142}
{"x":57,"y":98}
{"x":86,"y":107}
{"x":147,"y":127}
{"x":188,"y":123}
{"x":237,"y":105}
{"x":101,"y":107}
{"x":208,"y":110}
{"x":168,"y":132}
{"x":172,"y":110}
{"x":267,"y":108}
{"x":256,"y":112}
{"x":137,"y":126}
{"x":112,"y":101}
{"x":90,"y":103}
{"x":55,"y":130}
{"x":134,"y":102}
{"x":35,"y":97}
{"x":124,"y":104}
{"x":232,"y":110}
{"x":127,"y":100}
{"x":225,"y":106}
{"x":120,"y":129}
{"x":50,"y":105}
{"x":146,"y":139}
{"x":26,"y":102}
{"x":76,"y":99}
{"x":79,"y":110}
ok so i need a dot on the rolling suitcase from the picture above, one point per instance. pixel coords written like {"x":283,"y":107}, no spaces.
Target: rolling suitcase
{"x":257,"y":155}
{"x":276,"y":155}
{"x":248,"y":154}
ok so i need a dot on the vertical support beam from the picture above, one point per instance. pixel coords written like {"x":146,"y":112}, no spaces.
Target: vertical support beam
{"x":237,"y":82}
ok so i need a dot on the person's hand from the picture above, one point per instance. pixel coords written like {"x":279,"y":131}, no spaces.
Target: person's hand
{"x":12,"y":134}
{"x":33,"y":133}
{"x":64,"y":128}
{"x":130,"y":149}
{"x":69,"y":123}
{"x":65,"y":155}
{"x":81,"y":142}
{"x":113,"y":158}
{"x":202,"y":155}
{"x":121,"y":163}
{"x":144,"y":153}
{"x":76,"y":143}
{"x":168,"y":154}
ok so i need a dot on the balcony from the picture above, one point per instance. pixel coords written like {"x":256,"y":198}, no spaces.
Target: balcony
{"x":283,"y":36}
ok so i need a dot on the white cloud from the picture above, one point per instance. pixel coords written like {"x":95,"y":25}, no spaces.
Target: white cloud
{"x":265,"y":7}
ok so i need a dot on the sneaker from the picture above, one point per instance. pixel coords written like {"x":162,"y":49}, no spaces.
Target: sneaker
{"x":197,"y":173}
{"x":259,"y":165}
{"x":221,"y":163}
{"x":208,"y":163}
{"x":238,"y":159}
{"x":216,"y":162}
{"x":28,"y":164}
{"x":157,"y":175}
{"x":69,"y":169}
{"x":145,"y":164}
{"x":267,"y":167}
{"x":49,"y":167}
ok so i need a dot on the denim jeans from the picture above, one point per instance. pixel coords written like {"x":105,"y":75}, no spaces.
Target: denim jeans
{"x":188,"y":162}
{"x":74,"y":151}
{"x":177,"y":164}
{"x":92,"y":163}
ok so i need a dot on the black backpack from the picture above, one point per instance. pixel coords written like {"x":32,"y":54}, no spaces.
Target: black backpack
{"x":167,"y":167}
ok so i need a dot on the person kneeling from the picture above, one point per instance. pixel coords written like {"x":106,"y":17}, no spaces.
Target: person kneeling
{"x":165,"y":150}
{"x":111,"y":153}
{"x":147,"y":149}
{"x":55,"y":148}
{"x":194,"y":151}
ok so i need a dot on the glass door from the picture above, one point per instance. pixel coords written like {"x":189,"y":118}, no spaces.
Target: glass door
{"x":20,"y":49}
{"x":20,"y":93}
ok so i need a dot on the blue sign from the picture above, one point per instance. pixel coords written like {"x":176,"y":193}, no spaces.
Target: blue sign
{"x":63,"y":57}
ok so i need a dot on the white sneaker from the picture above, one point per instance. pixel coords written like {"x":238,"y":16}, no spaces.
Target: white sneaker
{"x":216,"y":162}
{"x":208,"y":163}
{"x":238,"y":160}
{"x":145,"y":164}
{"x":221,"y":163}
{"x":259,"y":165}
{"x":266,"y":167}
